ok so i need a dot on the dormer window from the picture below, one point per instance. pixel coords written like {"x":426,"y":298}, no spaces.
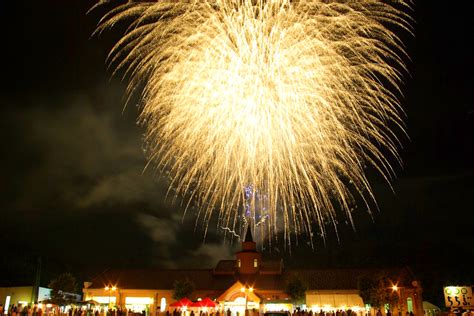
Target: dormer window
{"x":255,"y":263}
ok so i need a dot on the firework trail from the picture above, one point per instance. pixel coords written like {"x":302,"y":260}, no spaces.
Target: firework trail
{"x":233,"y":232}
{"x":296,"y":97}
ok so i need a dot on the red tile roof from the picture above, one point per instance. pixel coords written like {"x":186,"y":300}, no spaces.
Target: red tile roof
{"x":207,"y":279}
{"x":162,"y":279}
{"x":225,"y":267}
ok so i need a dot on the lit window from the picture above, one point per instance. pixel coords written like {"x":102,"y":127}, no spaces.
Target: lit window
{"x":238,"y":263}
{"x":138,"y":300}
{"x":7,"y":304}
{"x":163,"y":304}
{"x":410,"y":304}
{"x":255,"y":263}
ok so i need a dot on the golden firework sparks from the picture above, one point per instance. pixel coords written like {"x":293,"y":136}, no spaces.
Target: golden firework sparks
{"x":295,"y":97}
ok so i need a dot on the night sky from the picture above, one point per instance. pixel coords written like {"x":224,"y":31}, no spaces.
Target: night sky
{"x":75,"y":192}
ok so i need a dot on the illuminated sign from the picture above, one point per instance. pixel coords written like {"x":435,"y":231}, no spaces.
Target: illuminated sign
{"x":138,"y":300}
{"x":458,"y":296}
{"x":271,"y":307}
{"x":104,"y":299}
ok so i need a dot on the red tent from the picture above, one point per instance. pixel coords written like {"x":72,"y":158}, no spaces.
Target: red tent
{"x":207,"y":302}
{"x":182,"y":303}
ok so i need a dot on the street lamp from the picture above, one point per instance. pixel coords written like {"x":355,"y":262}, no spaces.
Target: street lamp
{"x":396,"y":289}
{"x":110,"y":289}
{"x":246,"y":291}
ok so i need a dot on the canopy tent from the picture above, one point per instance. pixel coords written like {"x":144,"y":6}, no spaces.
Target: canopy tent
{"x":63,"y":302}
{"x":335,"y":300}
{"x":207,"y":302}
{"x":429,"y":306}
{"x":184,"y":302}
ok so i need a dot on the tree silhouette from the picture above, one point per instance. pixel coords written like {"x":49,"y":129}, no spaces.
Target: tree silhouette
{"x":183,"y":288}
{"x":296,"y":289}
{"x":62,"y":289}
{"x":376,"y":290}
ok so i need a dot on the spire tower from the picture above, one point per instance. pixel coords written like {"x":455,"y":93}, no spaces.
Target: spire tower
{"x":248,"y":259}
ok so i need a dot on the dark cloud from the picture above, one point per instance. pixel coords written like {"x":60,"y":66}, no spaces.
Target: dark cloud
{"x":80,"y":167}
{"x":170,"y":237}
{"x":71,"y":147}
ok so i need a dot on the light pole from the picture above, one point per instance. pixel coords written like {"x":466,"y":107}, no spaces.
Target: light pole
{"x":246,"y":291}
{"x":396,"y":289}
{"x":110,"y":289}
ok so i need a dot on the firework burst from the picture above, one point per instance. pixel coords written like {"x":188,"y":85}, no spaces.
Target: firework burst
{"x":295,"y":97}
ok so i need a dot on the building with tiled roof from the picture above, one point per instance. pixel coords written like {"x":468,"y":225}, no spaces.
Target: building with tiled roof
{"x":249,"y":282}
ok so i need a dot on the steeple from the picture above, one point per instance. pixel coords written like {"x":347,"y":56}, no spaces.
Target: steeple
{"x":248,"y":259}
{"x":248,"y":235}
{"x":248,"y":244}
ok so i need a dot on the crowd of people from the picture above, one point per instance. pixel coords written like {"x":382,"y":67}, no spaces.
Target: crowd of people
{"x":255,"y":312}
{"x":22,"y":310}
{"x":338,"y":312}
{"x":36,"y":310}
{"x":102,"y":311}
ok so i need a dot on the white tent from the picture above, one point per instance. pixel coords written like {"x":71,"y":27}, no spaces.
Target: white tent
{"x":430,"y":309}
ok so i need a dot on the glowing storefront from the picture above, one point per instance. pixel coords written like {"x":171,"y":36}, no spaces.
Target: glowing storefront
{"x":245,"y":282}
{"x":23,"y":295}
{"x":133,"y":300}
